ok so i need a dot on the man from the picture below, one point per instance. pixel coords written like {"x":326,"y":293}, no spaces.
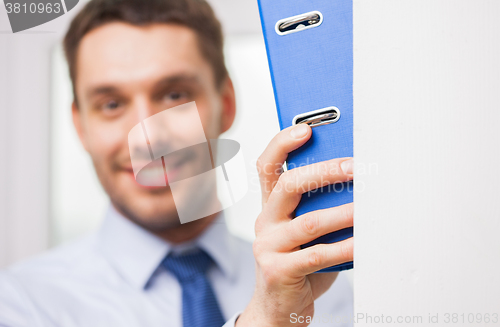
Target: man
{"x":129,"y":60}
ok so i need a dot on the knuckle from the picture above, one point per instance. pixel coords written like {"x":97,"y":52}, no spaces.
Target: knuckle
{"x":260,"y":165}
{"x":315,"y":258}
{"x":259,"y":225}
{"x":260,"y":161}
{"x":270,"y":272}
{"x":310,"y":223}
{"x":257,"y":248}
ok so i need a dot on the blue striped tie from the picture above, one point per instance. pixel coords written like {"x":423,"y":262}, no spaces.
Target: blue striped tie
{"x":199,"y":305}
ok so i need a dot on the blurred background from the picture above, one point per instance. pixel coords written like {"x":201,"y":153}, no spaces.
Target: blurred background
{"x":49,"y":193}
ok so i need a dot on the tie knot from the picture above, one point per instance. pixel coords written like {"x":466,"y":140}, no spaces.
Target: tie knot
{"x":188,"y":266}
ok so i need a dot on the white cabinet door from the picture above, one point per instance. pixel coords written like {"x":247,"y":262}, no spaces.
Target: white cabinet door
{"x":427,"y":149}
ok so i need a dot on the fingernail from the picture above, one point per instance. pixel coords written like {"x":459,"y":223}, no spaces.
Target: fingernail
{"x":299,"y":131}
{"x":347,"y":166}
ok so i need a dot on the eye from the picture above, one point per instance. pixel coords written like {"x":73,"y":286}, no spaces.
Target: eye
{"x":111,"y":105}
{"x":175,"y":96}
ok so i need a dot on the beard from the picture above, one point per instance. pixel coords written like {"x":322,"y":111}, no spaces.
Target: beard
{"x":154,"y":209}
{"x":156,"y":221}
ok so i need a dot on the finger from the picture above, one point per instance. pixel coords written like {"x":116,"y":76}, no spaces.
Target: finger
{"x":287,"y":192}
{"x":311,"y":259}
{"x":312,"y":225}
{"x":271,"y":160}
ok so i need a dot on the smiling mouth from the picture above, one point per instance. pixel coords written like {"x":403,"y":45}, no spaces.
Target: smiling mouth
{"x":159,"y":173}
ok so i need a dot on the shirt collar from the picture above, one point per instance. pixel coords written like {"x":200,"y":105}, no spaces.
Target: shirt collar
{"x":136,"y":253}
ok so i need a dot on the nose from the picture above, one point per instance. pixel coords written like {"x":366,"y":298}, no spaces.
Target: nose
{"x":156,"y":127}
{"x":149,"y":134}
{"x":144,"y":108}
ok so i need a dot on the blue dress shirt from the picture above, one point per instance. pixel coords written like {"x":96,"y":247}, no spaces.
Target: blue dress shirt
{"x":114,"y":277}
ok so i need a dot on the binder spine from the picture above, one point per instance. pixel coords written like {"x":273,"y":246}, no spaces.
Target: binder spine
{"x":270,"y":63}
{"x":312,"y":69}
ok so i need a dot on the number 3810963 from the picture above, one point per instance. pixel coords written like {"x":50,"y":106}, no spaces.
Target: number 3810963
{"x":32,"y":8}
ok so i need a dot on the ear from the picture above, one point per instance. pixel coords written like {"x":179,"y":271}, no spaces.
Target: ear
{"x":77,"y":122}
{"x":228,"y":104}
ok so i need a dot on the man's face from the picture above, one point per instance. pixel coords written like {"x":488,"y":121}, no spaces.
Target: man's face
{"x":126,"y":74}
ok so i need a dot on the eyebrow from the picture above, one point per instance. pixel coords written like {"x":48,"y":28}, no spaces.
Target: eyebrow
{"x":101,"y":90}
{"x":175,"y":79}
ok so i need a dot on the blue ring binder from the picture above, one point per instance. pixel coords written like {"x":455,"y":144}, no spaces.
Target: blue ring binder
{"x":312,"y":68}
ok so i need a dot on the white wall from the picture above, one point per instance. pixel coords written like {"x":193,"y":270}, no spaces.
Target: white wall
{"x":24,"y":140}
{"x":426,"y":112}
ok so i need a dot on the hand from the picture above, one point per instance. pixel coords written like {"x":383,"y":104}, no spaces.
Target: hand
{"x":283,"y":282}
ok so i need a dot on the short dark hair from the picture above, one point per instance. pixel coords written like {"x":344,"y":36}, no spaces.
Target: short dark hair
{"x":194,"y":14}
